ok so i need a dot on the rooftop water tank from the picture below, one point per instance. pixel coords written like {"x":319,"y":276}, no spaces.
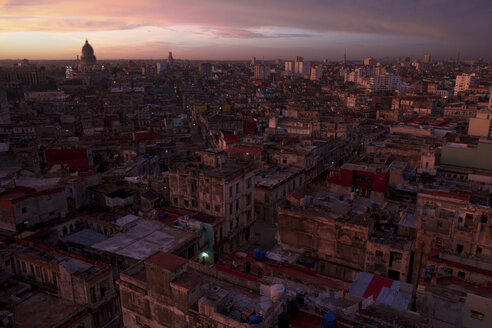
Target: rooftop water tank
{"x":329,"y":320}
{"x":276,"y":292}
{"x":254,"y":319}
{"x":340,"y":197}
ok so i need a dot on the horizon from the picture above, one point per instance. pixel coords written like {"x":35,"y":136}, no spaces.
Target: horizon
{"x":219,"y":30}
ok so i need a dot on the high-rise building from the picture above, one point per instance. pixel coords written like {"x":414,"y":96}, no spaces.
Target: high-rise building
{"x":386,"y":83}
{"x":298,"y":64}
{"x":262,"y":71}
{"x":162,"y":66}
{"x":316,"y":72}
{"x":4,"y":105}
{"x":205,"y":69}
{"x":427,"y":59}
{"x":253,"y":61}
{"x":170,"y":59}
{"x":480,"y":125}
{"x":289,"y":66}
{"x":464,"y":82}
{"x":369,"y":61}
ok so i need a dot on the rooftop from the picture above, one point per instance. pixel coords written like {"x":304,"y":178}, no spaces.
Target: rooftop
{"x":143,"y":238}
{"x":167,"y":261}
{"x":43,"y":310}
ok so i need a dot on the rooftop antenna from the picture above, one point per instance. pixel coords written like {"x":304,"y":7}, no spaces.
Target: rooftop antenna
{"x":345,"y":58}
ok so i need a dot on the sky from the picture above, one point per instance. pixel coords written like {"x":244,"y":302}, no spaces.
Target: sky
{"x":236,"y":29}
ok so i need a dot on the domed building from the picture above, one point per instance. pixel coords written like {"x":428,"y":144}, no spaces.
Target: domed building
{"x":88,"y":57}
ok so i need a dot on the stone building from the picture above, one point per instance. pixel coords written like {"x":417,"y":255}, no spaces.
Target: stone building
{"x":68,"y":277}
{"x":217,"y":188}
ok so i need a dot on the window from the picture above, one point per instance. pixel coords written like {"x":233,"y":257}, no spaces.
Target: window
{"x":24,"y":269}
{"x":379,"y":253}
{"x":461,"y":275}
{"x":479,"y":250}
{"x":284,"y":161}
{"x":230,"y":191}
{"x":207,"y":206}
{"x":93,"y":294}
{"x":249,"y":183}
{"x":237,"y":188}
{"x":459,"y":248}
{"x":24,"y":210}
{"x":237,"y":205}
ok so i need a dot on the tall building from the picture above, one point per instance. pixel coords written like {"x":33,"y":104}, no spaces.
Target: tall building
{"x":369,"y":61}
{"x":26,"y":73}
{"x":217,"y":188}
{"x":88,"y":58}
{"x":298,"y":64}
{"x":205,"y":69}
{"x":464,"y":82}
{"x":162,"y":66}
{"x":289,"y":67}
{"x":4,"y":105}
{"x":480,"y":125}
{"x":170,"y":59}
{"x":316,"y":72}
{"x":262,"y":72}
{"x":427,"y":59}
{"x":253,"y":61}
{"x":386,"y":83}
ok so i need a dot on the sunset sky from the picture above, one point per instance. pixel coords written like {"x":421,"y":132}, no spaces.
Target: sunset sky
{"x":234,"y":29}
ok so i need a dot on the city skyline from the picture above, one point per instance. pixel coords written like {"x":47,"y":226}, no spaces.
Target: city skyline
{"x":220,"y":30}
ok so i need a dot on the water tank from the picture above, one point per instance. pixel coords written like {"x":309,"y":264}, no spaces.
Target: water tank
{"x":262,"y":255}
{"x":373,"y":205}
{"x":277,"y":168}
{"x":256,"y":253}
{"x":164,"y":215}
{"x":247,"y":267}
{"x":263,"y":175}
{"x":340,"y":197}
{"x":276,"y":292}
{"x":146,"y":156}
{"x":350,"y":201}
{"x":283,"y":320}
{"x":329,"y":320}
{"x":254,"y":319}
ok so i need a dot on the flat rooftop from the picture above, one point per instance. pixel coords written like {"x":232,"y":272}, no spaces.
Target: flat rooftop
{"x":43,"y":310}
{"x":234,"y":263}
{"x":143,"y":238}
{"x":276,"y":176}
